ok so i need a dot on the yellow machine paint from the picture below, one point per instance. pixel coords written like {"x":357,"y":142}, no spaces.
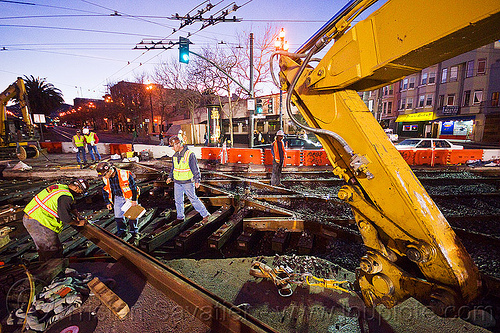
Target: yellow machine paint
{"x":398,"y":221}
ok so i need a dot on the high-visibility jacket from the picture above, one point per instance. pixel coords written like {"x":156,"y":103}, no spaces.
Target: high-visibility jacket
{"x":123,"y":176}
{"x":276,"y":153}
{"x":182,"y":171}
{"x":79,"y":140}
{"x":43,"y":207}
{"x":91,"y":138}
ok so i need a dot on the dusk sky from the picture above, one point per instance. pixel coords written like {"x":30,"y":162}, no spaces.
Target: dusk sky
{"x":80,"y":46}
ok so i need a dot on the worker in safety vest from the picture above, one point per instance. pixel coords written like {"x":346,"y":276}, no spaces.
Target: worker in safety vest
{"x":279,"y":155}
{"x":46,"y":214}
{"x":119,"y":188}
{"x":79,"y":143}
{"x":92,"y":139}
{"x":186,"y":177}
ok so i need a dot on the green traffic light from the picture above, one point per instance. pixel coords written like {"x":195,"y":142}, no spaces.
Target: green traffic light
{"x":183,"y":50}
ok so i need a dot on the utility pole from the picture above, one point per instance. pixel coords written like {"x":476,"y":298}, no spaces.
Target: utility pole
{"x":281,"y":44}
{"x":252,"y":92}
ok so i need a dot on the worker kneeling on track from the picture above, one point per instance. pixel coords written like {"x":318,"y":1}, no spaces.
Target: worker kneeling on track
{"x":186,"y":177}
{"x":46,"y":214}
{"x":119,"y":188}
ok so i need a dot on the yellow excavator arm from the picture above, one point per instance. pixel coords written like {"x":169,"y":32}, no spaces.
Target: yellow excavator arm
{"x":412,"y":250}
{"x":17,"y":91}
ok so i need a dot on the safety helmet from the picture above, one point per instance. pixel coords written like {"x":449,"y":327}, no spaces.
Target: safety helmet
{"x":280,"y":132}
{"x":78,"y":131}
{"x":180,"y":131}
{"x":103,"y":168}
{"x":86,"y":131}
{"x":173,"y":140}
{"x":82,"y":184}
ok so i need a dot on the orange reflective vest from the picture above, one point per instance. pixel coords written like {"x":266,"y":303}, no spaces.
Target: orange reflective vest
{"x":123,"y":176}
{"x":276,"y":152}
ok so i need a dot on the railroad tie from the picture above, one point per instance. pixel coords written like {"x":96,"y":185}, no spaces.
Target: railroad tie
{"x":109,"y":298}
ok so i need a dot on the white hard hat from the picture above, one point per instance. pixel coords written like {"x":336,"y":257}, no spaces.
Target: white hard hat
{"x":180,"y":131}
{"x":280,"y":132}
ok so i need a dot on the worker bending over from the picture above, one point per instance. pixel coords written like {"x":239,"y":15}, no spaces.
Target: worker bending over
{"x":46,"y":214}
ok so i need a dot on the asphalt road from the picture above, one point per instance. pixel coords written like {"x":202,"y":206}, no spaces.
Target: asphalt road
{"x":65,"y":134}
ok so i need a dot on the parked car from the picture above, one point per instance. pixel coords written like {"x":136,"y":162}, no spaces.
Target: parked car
{"x":294,"y":142}
{"x":426,"y":143}
{"x":390,"y":133}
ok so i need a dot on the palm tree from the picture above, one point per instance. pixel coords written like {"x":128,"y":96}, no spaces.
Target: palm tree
{"x":43,"y":97}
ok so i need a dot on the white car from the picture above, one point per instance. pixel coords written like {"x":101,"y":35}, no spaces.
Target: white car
{"x":426,"y":143}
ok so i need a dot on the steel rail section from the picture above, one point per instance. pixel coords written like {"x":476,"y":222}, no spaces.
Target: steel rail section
{"x":218,"y":314}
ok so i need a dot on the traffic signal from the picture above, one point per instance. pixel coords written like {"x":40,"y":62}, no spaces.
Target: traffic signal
{"x":258,"y":106}
{"x":184,"y":50}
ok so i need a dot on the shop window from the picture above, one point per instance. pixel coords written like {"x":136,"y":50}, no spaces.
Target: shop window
{"x":470,"y":69}
{"x":424,"y":78}
{"x":453,"y":73}
{"x":444,"y":75}
{"x":411,"y":83}
{"x":494,"y":98}
{"x":478,"y":97}
{"x":432,"y":78}
{"x":409,"y":104}
{"x":450,"y":100}
{"x":481,"y":66}
{"x":466,"y":101}
{"x":421,"y":100}
{"x":428,"y":101}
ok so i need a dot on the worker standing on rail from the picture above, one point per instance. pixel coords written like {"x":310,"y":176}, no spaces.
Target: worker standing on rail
{"x":279,"y":156}
{"x":119,"y":188}
{"x":79,"y":143}
{"x":92,"y":140}
{"x":186,"y":177}
{"x":48,"y":211}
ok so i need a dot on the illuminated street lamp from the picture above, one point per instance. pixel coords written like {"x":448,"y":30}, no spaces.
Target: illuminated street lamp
{"x":281,"y":45}
{"x":149,"y":87}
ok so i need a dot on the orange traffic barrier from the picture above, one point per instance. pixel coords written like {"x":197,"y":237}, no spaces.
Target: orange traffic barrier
{"x":268,"y":157}
{"x":315,"y":157}
{"x":461,"y":156}
{"x":245,"y":155}
{"x":293,"y":157}
{"x":118,"y":148}
{"x":409,"y":156}
{"x":210,"y":153}
{"x":52,"y":147}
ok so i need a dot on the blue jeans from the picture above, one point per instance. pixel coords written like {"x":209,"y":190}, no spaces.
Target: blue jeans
{"x":188,"y":188}
{"x":81,"y":150}
{"x":92,"y":151}
{"x":120,"y":219}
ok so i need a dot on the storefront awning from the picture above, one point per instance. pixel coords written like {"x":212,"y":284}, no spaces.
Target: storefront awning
{"x":412,"y":117}
{"x":456,"y":118}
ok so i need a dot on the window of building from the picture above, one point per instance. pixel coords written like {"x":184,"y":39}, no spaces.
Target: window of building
{"x":391,"y":89}
{"x":481,"y":66}
{"x":424,"y":78}
{"x":444,"y":75}
{"x":428,"y":101}
{"x":405,"y":84}
{"x":421,"y":100}
{"x":403,"y":104}
{"x":384,"y":108}
{"x":432,"y":78}
{"x":441,"y":101}
{"x":494,"y":98}
{"x":453,"y":73}
{"x":409,"y":103}
{"x":411,"y":83}
{"x":450,"y":100}
{"x":478,"y":97}
{"x":387,"y":90}
{"x":370,"y":104}
{"x":466,"y":101}
{"x":389,"y":107}
{"x":469,"y":72}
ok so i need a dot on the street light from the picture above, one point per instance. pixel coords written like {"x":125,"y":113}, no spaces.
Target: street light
{"x":281,"y":45}
{"x":149,"y":87}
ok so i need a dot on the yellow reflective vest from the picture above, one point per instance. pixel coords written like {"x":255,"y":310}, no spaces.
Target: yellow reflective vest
{"x":79,"y":140}
{"x":181,"y":167}
{"x":43,"y":207}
